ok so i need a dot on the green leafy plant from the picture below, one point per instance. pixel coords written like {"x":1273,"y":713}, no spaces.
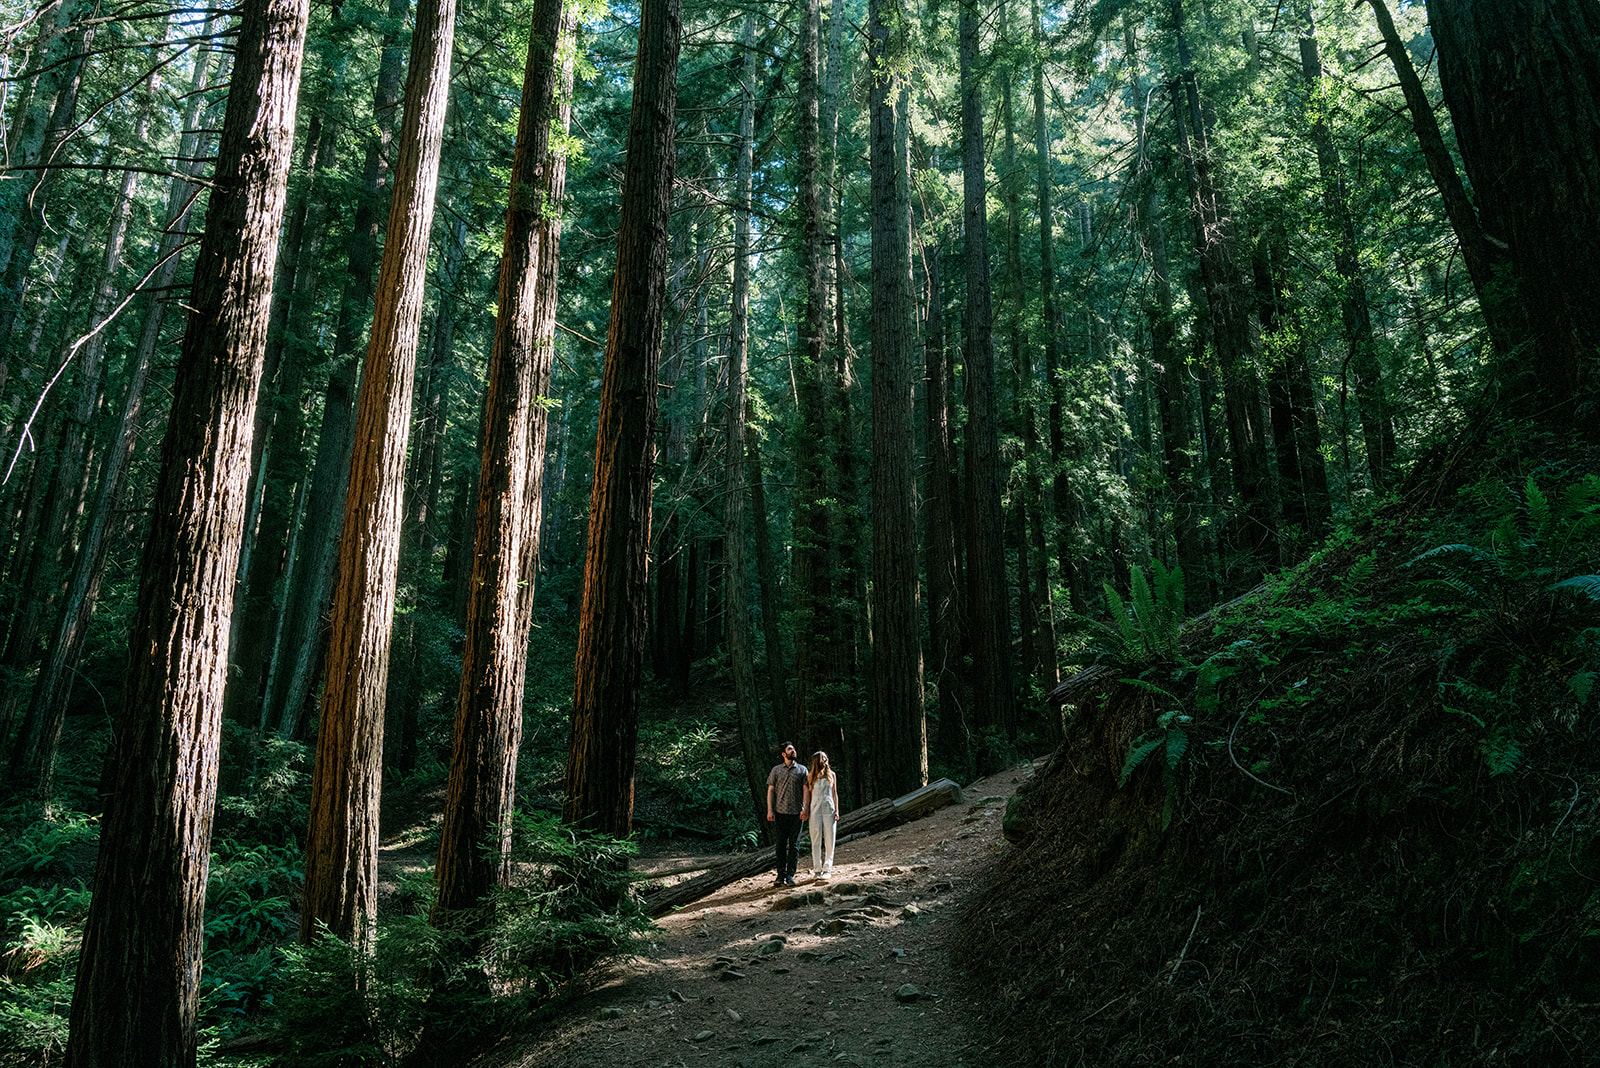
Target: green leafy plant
{"x":1170,"y":739}
{"x":1145,"y":628}
{"x":1511,"y":611}
{"x":423,"y":987}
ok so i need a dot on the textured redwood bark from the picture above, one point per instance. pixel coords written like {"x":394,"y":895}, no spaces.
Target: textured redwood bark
{"x":138,"y":981}
{"x":341,"y":884}
{"x":989,"y":614}
{"x":1522,"y":79}
{"x":605,"y":698}
{"x":488,"y":725}
{"x":899,"y":752}
{"x":741,"y":655}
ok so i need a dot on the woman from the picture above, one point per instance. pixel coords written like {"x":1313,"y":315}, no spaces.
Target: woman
{"x":821,"y":804}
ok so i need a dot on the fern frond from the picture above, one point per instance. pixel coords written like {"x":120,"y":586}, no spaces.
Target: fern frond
{"x":1136,"y":756}
{"x":1126,"y":624}
{"x":1144,"y":610}
{"x":1177,"y":745}
{"x":1150,"y":687}
{"x":1451,"y":585}
{"x":1169,"y":597}
{"x":1486,"y":558}
{"x":1538,"y":510}
{"x":1580,"y":503}
{"x":1588,"y":585}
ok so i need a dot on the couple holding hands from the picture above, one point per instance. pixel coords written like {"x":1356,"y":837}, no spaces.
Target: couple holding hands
{"x":795,"y":792}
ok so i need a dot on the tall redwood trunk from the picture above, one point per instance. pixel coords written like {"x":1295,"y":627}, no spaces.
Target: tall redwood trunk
{"x":1255,"y":533}
{"x":741,"y":656}
{"x":1522,"y":79}
{"x":899,"y":752}
{"x":341,"y":883}
{"x":309,"y":584}
{"x":605,"y":698}
{"x":138,"y":981}
{"x":488,"y":726}
{"x":987,"y":602}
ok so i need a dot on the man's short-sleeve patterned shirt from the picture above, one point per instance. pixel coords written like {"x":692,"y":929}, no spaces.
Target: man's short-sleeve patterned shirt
{"x":789,"y":794}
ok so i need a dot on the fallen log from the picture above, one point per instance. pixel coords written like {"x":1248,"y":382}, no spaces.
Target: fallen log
{"x":868,"y":819}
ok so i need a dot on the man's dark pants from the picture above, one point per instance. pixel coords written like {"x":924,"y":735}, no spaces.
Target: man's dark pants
{"x":788,"y":825}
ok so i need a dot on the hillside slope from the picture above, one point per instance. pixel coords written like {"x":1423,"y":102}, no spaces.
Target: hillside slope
{"x":1363,"y":828}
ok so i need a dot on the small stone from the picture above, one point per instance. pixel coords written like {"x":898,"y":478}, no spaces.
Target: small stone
{"x":899,"y":953}
{"x":611,"y":1012}
{"x":734,"y":1016}
{"x":728,"y":975}
{"x":703,"y":1035}
{"x":763,"y":1040}
{"x":907,"y":994}
{"x":910,"y":911}
{"x":767,"y":949}
{"x":652,"y":1004}
{"x":675,"y":996}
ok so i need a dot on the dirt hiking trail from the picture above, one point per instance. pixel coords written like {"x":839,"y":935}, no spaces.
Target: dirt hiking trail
{"x":852,"y":971}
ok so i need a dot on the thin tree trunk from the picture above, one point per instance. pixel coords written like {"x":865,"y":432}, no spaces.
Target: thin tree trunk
{"x":945,"y":632}
{"x":51,"y":689}
{"x":741,"y":658}
{"x":488,"y":726}
{"x":300,"y":635}
{"x":341,"y":882}
{"x":138,"y":982}
{"x":899,"y":734}
{"x":50,"y":121}
{"x":821,"y":648}
{"x":987,"y":604}
{"x":605,"y":698}
{"x":1255,"y":527}
{"x":1502,"y":312}
{"x":1171,"y":366}
{"x":280,"y":434}
{"x":1377,"y":421}
{"x":777,"y":660}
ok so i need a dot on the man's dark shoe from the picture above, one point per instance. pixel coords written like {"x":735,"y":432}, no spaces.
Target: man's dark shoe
{"x":789,"y":881}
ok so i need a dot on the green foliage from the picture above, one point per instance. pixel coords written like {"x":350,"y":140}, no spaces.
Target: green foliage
{"x":42,"y":906}
{"x":568,"y":907}
{"x":695,"y":769}
{"x":1148,"y":629}
{"x":1171,"y":739}
{"x":338,"y":1009}
{"x":273,"y":805}
{"x":247,"y":918}
{"x":42,"y":850}
{"x":1510,"y":611}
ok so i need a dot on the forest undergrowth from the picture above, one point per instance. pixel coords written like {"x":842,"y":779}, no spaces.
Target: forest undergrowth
{"x":1352,"y":819}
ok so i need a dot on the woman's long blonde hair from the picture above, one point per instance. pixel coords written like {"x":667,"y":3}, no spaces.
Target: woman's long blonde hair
{"x":820,"y":766}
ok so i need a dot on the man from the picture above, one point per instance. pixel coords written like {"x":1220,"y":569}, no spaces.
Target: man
{"x":786,"y":791}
